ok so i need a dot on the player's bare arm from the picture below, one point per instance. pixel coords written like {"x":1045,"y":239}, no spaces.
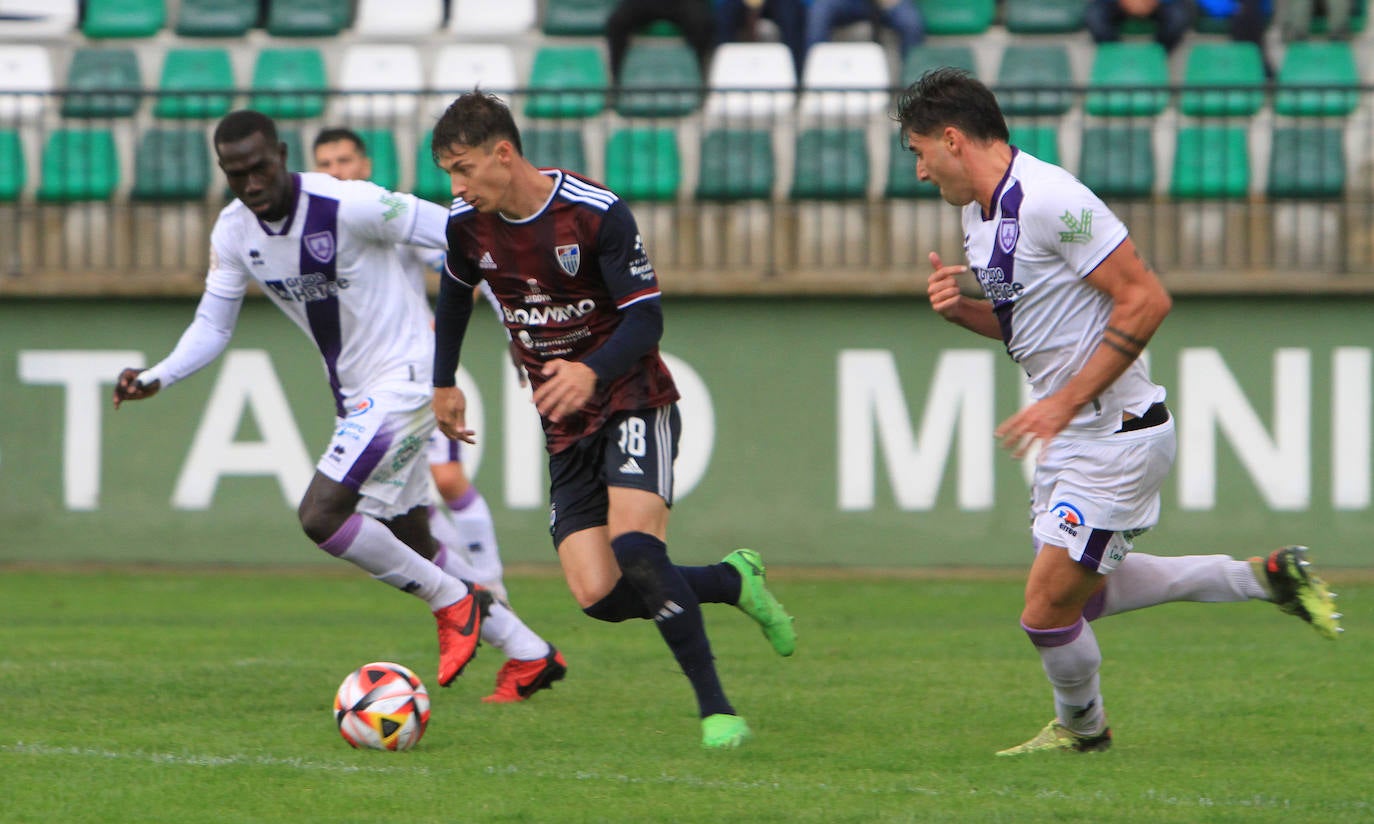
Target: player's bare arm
{"x":942,"y":287}
{"x":450,"y":413}
{"x":567,"y":388}
{"x":128,"y":388}
{"x":1139,"y":305}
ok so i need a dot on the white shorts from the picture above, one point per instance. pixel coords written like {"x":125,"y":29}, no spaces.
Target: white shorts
{"x":1093,"y":495}
{"x":442,"y":450}
{"x":377,"y":449}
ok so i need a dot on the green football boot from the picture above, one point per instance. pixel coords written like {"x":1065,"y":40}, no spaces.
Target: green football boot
{"x":1056,"y":736}
{"x":758,"y":603}
{"x":723,"y":732}
{"x":1296,"y":591}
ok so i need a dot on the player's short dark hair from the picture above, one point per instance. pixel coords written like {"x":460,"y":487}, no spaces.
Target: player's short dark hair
{"x":244,"y":123}
{"x":334,"y":135}
{"x":951,"y":97}
{"x":474,"y":119}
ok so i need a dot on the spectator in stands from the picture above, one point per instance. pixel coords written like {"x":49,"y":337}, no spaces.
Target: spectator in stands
{"x":739,"y":19}
{"x":1295,"y":18}
{"x":1172,"y":18}
{"x":692,"y":18}
{"x":901,"y":16}
{"x":1248,"y":19}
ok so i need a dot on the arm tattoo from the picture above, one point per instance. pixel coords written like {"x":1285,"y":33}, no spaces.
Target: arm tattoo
{"x":1128,"y":354}
{"x":1131,"y":339}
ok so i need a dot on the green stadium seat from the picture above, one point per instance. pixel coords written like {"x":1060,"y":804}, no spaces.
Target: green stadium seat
{"x":1223,"y":80}
{"x":644,"y":164}
{"x":190,"y":81}
{"x":289,"y":83}
{"x":13,"y":173}
{"x":1128,"y":80}
{"x":901,"y":174}
{"x":1118,"y":161}
{"x":659,"y":80}
{"x":551,"y":147}
{"x":123,"y":18}
{"x":308,"y":18}
{"x":381,"y":150}
{"x":1211,"y":162}
{"x":431,"y":182}
{"x":736,"y":164}
{"x":577,"y":18}
{"x":1043,"y":16}
{"x":1034,"y":80}
{"x":962,"y":17}
{"x":171,"y":164}
{"x":920,"y":59}
{"x":108,"y":82}
{"x":216,"y":18}
{"x":296,"y":158}
{"x":79,"y":164}
{"x":1307,"y":162}
{"x":831,"y":164}
{"x":1037,"y":140}
{"x":1317,"y":80}
{"x":567,"y":81}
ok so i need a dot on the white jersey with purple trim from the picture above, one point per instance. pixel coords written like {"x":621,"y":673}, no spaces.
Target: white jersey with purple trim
{"x":332,"y":266}
{"x":1047,"y":232}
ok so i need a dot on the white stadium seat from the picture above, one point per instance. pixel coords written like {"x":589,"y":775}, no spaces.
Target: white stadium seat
{"x":461,"y":67}
{"x":23,"y":68}
{"x":398,"y":18}
{"x":470,"y":18}
{"x":751,"y":80}
{"x":844,"y":80}
{"x":22,"y":20}
{"x":381,"y":69}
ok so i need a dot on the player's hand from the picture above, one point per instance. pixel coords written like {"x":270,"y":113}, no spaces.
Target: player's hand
{"x":1034,"y":426}
{"x":450,"y":412}
{"x":942,"y":288}
{"x":567,"y":387}
{"x":127,"y":387}
{"x":514,"y":349}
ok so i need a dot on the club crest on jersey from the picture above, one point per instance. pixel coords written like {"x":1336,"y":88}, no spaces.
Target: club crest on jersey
{"x":569,"y":257}
{"x":1007,"y":233}
{"x":320,"y":246}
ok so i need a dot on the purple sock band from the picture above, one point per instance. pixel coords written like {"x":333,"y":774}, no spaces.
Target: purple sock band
{"x":1096,"y":605}
{"x":440,"y":555}
{"x":1057,"y":637}
{"x":340,"y":541}
{"x":465,"y":500}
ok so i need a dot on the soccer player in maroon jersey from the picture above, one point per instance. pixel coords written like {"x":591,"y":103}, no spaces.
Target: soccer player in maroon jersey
{"x":578,"y":293}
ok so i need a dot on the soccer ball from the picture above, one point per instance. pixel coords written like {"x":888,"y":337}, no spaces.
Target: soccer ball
{"x":382,"y":706}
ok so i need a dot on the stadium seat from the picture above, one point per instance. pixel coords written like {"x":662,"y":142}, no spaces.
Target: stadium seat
{"x":962,"y":17}
{"x":379,"y":82}
{"x":171,"y":164}
{"x":431,"y":182}
{"x":1118,"y":161}
{"x":463,"y":67}
{"x":736,"y":164}
{"x":308,"y":18}
{"x":187,"y":74}
{"x":381,"y":150}
{"x":399,"y":18}
{"x":1211,"y":162}
{"x":751,"y":80}
{"x":1037,"y":140}
{"x":13,"y":173}
{"x":289,"y":83}
{"x":659,"y":80}
{"x":1128,"y":80}
{"x":1034,"y":80}
{"x":123,"y":18}
{"x":643,"y":164}
{"x":901,"y":174}
{"x":483,"y":18}
{"x":567,"y":81}
{"x":577,"y":18}
{"x":1043,"y":16}
{"x":216,"y":18}
{"x":23,"y":21}
{"x":296,"y":158}
{"x":832,"y":164}
{"x":1223,"y":80}
{"x":1307,"y":162}
{"x":920,"y":59}
{"x":108,"y":81}
{"x":844,"y":80}
{"x":79,"y":164}
{"x":554,"y":147}
{"x":23,"y":68}
{"x":1317,"y":79}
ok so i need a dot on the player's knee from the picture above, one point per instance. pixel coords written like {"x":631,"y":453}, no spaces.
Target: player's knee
{"x":621,"y":603}
{"x":318,"y":520}
{"x":641,"y":557}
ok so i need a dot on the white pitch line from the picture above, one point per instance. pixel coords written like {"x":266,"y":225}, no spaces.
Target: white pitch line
{"x":195,"y":760}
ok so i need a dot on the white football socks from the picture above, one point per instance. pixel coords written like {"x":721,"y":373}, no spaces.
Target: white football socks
{"x":1146,"y":580}
{"x":367,"y":543}
{"x":1072,"y":667}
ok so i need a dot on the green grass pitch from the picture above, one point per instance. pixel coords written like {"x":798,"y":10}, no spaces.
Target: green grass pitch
{"x":204,"y":695}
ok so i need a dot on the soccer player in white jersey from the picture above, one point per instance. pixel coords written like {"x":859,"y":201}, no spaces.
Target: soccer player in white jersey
{"x":466,"y":537}
{"x":1066,"y":291}
{"x":323,"y":251}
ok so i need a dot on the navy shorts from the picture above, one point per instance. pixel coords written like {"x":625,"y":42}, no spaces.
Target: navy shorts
{"x":634,"y":449}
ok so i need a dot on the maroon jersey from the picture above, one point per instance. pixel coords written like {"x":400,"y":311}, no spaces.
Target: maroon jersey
{"x":562,"y":276}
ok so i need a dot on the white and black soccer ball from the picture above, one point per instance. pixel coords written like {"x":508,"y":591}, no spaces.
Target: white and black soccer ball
{"x":382,"y":706}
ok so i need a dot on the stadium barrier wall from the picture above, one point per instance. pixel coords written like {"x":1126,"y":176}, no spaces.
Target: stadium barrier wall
{"x":847,"y":431}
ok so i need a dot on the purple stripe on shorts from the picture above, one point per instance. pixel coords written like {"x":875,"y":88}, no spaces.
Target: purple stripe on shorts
{"x":1094,"y":547}
{"x":367,"y":462}
{"x":341,"y":540}
{"x":464,"y":501}
{"x":1096,"y":605}
{"x":1057,"y":637}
